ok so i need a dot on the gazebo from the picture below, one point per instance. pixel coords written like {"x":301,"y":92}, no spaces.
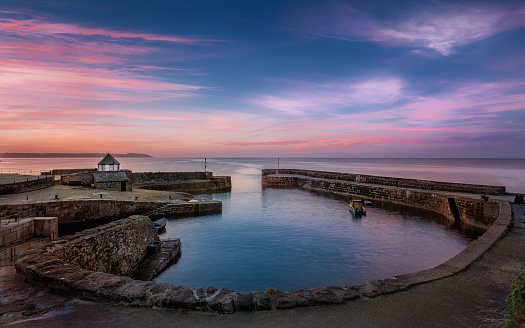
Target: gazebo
{"x":108,"y":164}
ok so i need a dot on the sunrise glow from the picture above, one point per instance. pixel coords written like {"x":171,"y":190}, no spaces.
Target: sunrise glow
{"x":298,"y":79}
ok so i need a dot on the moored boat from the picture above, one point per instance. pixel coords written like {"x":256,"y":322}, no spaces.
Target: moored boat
{"x":160,"y":224}
{"x":356,"y":207}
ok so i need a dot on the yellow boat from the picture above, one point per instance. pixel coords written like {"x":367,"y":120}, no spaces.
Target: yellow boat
{"x":356,"y":207}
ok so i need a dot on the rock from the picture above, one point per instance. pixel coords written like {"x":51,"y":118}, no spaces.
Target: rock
{"x":284,"y":300}
{"x":226,"y":303}
{"x":180,"y":297}
{"x":244,"y":301}
{"x":345,"y":294}
{"x":303,"y":297}
{"x":262,"y":300}
{"x":215,"y":300}
{"x":155,"y":294}
{"x":326,"y":296}
{"x":132,"y":293}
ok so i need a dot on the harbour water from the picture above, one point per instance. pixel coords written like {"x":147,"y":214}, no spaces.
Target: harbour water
{"x":289,"y":239}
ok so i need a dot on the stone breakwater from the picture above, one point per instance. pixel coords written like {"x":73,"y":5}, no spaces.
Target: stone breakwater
{"x":37,"y":183}
{"x":94,"y":209}
{"x":48,"y":267}
{"x":183,"y":181}
{"x":479,"y":213}
{"x":52,"y":267}
{"x":269,"y":178}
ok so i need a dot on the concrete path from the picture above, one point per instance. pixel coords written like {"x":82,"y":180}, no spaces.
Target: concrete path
{"x":65,"y":192}
{"x":472,"y":298}
{"x":10,"y":178}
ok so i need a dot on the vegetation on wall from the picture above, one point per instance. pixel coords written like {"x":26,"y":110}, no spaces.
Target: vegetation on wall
{"x":515,"y":316}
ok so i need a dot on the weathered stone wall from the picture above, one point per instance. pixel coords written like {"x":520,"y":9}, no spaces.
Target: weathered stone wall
{"x":113,"y":186}
{"x":95,"y":209}
{"x":477,"y":213}
{"x":40,"y":182}
{"x":394,"y":182}
{"x":216,"y":184}
{"x":186,"y":209}
{"x":347,"y":190}
{"x":16,"y":237}
{"x":310,"y":173}
{"x":168,"y":177}
{"x":71,"y":171}
{"x":15,"y":232}
{"x":115,"y":248}
{"x":43,"y":267}
{"x":84,"y":178}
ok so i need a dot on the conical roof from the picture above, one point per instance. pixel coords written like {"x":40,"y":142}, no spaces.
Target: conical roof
{"x":108,"y":160}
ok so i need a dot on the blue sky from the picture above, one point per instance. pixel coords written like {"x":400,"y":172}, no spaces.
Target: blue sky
{"x":264,"y":78}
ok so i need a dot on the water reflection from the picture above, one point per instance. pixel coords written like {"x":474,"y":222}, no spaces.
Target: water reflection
{"x":289,"y":239}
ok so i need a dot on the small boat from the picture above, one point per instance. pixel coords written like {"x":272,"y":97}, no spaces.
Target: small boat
{"x":356,"y":207}
{"x":160,"y":224}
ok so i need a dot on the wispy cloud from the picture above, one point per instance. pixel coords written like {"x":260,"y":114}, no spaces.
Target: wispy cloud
{"x":438,"y":26}
{"x":34,"y":27}
{"x":76,"y":73}
{"x":265,"y":143}
{"x":303,"y":98}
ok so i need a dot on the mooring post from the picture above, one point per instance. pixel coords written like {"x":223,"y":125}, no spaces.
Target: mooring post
{"x":205,"y":166}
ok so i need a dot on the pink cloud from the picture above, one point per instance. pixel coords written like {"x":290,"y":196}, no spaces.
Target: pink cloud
{"x":265,"y":143}
{"x":440,"y":27}
{"x":36,"y":27}
{"x":305,"y":98}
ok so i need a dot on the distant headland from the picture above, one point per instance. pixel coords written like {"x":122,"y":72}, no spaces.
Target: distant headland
{"x":66,"y":155}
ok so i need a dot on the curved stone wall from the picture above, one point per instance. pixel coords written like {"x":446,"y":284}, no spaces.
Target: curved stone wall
{"x":388,"y":181}
{"x":52,"y":266}
{"x":40,"y":182}
{"x":479,"y":213}
{"x":117,"y":247}
{"x":93,"y":209}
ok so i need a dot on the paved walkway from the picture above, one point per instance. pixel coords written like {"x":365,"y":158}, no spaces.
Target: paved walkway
{"x":65,"y":192}
{"x":472,"y":298}
{"x":10,"y":178}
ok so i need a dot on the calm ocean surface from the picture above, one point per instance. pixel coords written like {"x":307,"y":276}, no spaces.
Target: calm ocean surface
{"x":289,"y":239}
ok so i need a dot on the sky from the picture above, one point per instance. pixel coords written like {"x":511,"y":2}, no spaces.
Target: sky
{"x":267,"y":78}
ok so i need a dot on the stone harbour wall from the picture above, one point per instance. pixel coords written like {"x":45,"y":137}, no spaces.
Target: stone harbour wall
{"x":393,"y":182}
{"x":168,"y":177}
{"x":72,"y":171}
{"x":116,"y":248}
{"x":39,"y":182}
{"x":215,"y":184}
{"x":478,"y":213}
{"x":18,"y":236}
{"x":84,"y":178}
{"x":44,"y":267}
{"x":95,"y":209}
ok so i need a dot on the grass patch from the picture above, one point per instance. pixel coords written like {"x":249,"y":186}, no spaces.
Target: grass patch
{"x":272,"y":291}
{"x":515,"y":316}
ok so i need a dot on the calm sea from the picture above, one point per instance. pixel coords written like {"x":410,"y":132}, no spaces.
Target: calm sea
{"x":289,"y":239}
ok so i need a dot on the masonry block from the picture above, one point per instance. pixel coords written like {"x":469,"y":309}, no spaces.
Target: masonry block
{"x":46,"y":227}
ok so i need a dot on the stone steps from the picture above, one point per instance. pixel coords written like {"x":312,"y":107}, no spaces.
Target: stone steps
{"x":153,"y":264}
